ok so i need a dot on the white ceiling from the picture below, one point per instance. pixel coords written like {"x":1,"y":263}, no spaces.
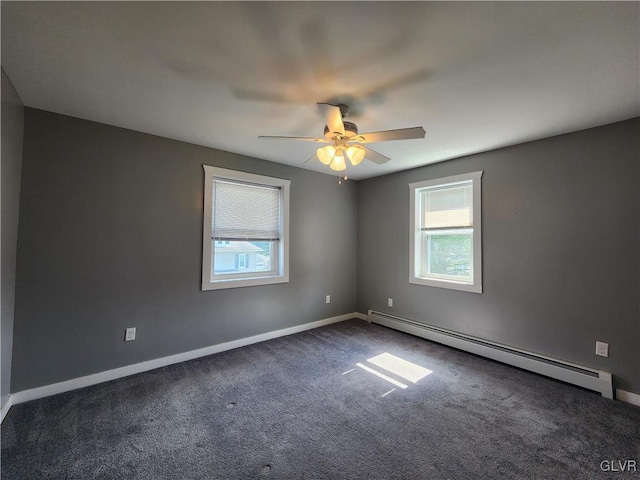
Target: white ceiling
{"x":476,"y":75}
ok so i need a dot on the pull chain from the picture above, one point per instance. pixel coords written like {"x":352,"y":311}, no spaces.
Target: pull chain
{"x":345,"y":178}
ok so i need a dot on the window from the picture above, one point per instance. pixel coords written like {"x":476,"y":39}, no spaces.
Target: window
{"x":246,"y":229}
{"x":446,"y":236}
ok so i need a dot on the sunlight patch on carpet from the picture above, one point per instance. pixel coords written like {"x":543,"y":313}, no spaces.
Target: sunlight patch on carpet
{"x":387,"y":393}
{"x":400,"y":367}
{"x":382,"y":376}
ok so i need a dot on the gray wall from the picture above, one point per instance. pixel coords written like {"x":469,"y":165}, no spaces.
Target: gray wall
{"x":12,"y":125}
{"x":111,"y":237}
{"x":560,"y":249}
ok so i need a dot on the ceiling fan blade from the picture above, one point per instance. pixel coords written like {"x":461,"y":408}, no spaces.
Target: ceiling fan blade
{"x":333,"y":116}
{"x":386,"y":135}
{"x":304,"y":139}
{"x":375,"y":157}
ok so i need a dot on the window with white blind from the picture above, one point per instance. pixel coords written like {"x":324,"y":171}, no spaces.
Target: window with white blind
{"x":446,"y":232}
{"x":246,"y":229}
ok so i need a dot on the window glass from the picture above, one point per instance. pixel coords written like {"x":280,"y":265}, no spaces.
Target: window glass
{"x":446,"y":232}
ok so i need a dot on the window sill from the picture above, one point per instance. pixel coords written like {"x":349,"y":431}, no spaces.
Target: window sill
{"x":244,"y":282}
{"x":449,"y":284}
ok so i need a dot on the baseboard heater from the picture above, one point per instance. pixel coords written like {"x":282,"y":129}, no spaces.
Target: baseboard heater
{"x":567,"y":372}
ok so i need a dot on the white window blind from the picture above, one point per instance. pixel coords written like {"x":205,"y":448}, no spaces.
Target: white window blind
{"x":243,"y":211}
{"x":449,"y":206}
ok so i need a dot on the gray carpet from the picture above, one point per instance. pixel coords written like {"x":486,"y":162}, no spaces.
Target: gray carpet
{"x":287,"y":409}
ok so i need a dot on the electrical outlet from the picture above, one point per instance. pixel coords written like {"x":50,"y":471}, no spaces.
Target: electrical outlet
{"x":130,"y":334}
{"x":602,"y":349}
{"x":389,"y":302}
{"x":328,"y":299}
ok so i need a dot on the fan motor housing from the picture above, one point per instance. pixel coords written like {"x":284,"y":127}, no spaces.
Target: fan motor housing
{"x":350,"y":130}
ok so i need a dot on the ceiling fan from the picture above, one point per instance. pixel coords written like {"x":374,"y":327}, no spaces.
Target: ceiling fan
{"x":344,"y":140}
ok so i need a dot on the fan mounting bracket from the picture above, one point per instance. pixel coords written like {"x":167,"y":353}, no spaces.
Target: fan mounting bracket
{"x":344,"y":109}
{"x":350,"y":131}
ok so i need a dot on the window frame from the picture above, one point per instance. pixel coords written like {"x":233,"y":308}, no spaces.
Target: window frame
{"x":280,"y":270}
{"x":416,"y":254}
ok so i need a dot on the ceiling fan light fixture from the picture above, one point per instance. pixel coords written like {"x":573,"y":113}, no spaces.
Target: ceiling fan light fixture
{"x":343,"y":138}
{"x":356,"y":154}
{"x":337,"y":163}
{"x":326,"y":154}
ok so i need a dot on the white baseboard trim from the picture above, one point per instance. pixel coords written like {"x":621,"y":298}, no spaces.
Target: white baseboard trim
{"x":6,"y":407}
{"x":361,"y":316}
{"x":632,"y":398}
{"x":81,"y":382}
